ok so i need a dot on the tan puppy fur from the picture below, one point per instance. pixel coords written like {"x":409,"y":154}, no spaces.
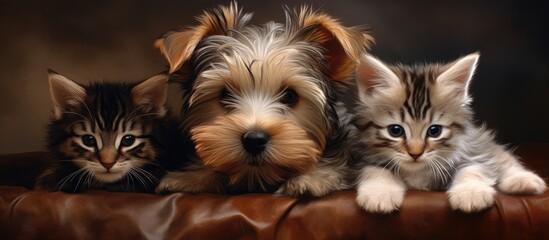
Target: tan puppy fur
{"x":260,"y":102}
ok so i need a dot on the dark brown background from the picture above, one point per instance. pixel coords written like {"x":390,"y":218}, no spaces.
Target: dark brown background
{"x":113,"y":40}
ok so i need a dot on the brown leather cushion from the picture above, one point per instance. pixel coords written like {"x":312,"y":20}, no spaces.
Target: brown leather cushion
{"x":27,"y":214}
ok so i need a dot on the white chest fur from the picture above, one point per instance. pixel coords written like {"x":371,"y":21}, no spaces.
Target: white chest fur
{"x":417,"y":179}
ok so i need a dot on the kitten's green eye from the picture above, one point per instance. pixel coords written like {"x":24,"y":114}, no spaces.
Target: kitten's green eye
{"x":289,"y":97}
{"x":434,"y":131}
{"x":88,"y":140}
{"x":395,"y":130}
{"x":127,"y":140}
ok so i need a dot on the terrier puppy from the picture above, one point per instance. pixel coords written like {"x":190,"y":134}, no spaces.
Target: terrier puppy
{"x":260,"y":101}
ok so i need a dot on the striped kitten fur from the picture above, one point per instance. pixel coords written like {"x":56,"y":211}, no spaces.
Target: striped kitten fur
{"x":416,"y":132}
{"x":110,"y":136}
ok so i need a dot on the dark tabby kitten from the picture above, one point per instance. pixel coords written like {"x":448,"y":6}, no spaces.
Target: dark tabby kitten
{"x":110,"y":136}
{"x":417,"y":132}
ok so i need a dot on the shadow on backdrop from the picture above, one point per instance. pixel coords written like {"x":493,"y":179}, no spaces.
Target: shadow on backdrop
{"x":113,"y":40}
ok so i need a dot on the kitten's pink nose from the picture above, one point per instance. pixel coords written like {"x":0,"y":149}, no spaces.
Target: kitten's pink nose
{"x":415,"y":156}
{"x":107,"y":165}
{"x":415,"y":148}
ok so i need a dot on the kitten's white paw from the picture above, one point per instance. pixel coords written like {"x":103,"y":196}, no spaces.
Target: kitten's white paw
{"x":380,"y":197}
{"x":471,"y":196}
{"x":523,"y":182}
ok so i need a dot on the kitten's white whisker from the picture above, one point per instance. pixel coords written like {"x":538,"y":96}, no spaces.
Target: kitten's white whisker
{"x":147,"y":162}
{"x":391,"y":163}
{"x":85,"y":105}
{"x":67,"y":178}
{"x":148,"y":175}
{"x":445,"y":174}
{"x":86,"y":172}
{"x":90,"y":178}
{"x":78,"y":114}
{"x":74,"y":123}
{"x":131,"y":179}
{"x":397,"y":164}
{"x":440,"y":163}
{"x":431,"y":169}
{"x":135,"y":110}
{"x":376,"y":166}
{"x":127,"y":178}
{"x":143,"y":115}
{"x":136,"y":175}
{"x":438,"y":172}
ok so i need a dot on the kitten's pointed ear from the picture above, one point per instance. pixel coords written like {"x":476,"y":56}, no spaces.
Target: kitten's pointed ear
{"x":65,"y":94}
{"x":178,"y":46}
{"x":458,"y":75}
{"x":373,"y":75}
{"x":344,"y":45}
{"x":152,"y":93}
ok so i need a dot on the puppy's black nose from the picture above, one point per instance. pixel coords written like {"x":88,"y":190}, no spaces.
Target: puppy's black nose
{"x":255,"y":141}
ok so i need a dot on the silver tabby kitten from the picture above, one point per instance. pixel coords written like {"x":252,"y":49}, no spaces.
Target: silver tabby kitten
{"x":416,"y":132}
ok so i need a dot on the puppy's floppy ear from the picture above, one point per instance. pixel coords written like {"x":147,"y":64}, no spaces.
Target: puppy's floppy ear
{"x":344,"y":45}
{"x":178,"y":46}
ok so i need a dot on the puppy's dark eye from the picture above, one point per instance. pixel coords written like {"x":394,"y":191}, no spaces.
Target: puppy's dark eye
{"x":224,"y":95}
{"x":127,"y":140}
{"x":395,"y":130}
{"x":434,"y":131}
{"x":289,"y":97}
{"x":88,"y":140}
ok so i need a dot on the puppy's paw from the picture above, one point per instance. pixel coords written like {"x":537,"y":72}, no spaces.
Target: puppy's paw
{"x":523,"y":182}
{"x":292,"y":188}
{"x":190,"y":182}
{"x":471,"y":196}
{"x":317,"y":184}
{"x":170,"y":184}
{"x":379,"y":197}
